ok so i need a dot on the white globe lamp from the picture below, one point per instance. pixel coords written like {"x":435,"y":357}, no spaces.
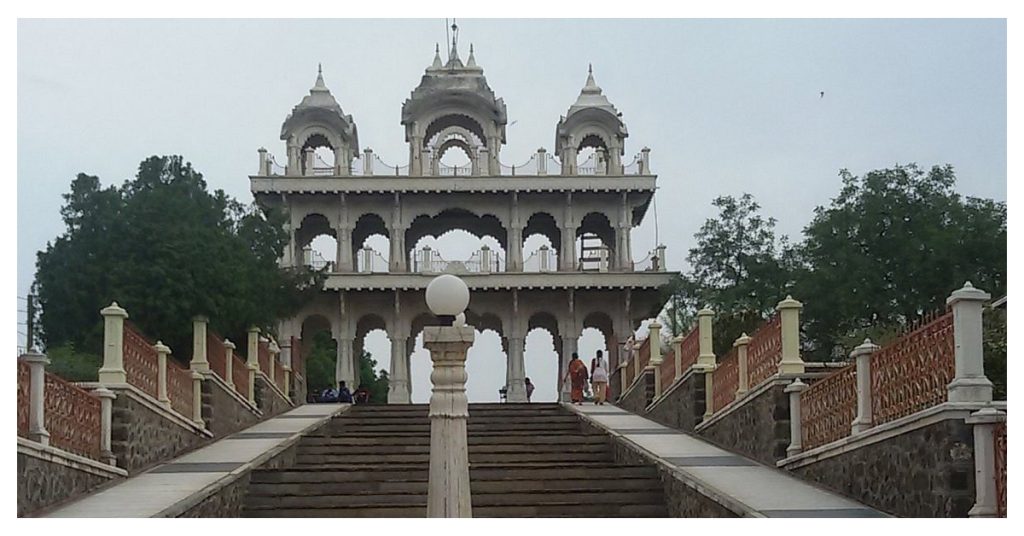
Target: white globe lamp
{"x":447,"y":296}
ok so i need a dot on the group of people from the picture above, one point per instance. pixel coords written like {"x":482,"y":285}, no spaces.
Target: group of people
{"x":578,"y":376}
{"x":343,"y":395}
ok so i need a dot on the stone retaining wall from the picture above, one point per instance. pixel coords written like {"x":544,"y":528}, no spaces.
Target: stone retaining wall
{"x":43,"y":483}
{"x":637,"y":399}
{"x":683,"y":406}
{"x":758,"y":428}
{"x":268,"y":399}
{"x":141,"y":436}
{"x":223,"y":413}
{"x":927,"y":472}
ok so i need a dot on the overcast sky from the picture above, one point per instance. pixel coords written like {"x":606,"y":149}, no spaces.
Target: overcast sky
{"x":727,"y":106}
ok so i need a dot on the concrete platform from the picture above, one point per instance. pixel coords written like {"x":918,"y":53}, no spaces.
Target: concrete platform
{"x":160,"y":488}
{"x":763,"y":491}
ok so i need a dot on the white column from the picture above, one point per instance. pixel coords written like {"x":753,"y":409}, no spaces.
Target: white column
{"x":343,"y":259}
{"x":970,"y":383}
{"x":199,"y":362}
{"x":791,"y":362}
{"x":161,"y":374}
{"x":252,"y":360}
{"x":112,"y":372}
{"x":106,"y":397}
{"x":286,"y":366}
{"x":542,"y":161}
{"x":569,"y":343}
{"x":568,"y":253}
{"x":705,"y":320}
{"x":984,"y":422}
{"x":485,"y":259}
{"x":197,"y":399}
{"x":398,"y":381}
{"x":264,"y":161}
{"x":37,"y":386}
{"x":229,"y":364}
{"x":448,"y":492}
{"x":514,"y":255}
{"x":517,"y":382}
{"x":741,"y":344}
{"x":795,"y":426}
{"x":655,"y":362}
{"x":862,"y":357}
{"x":344,"y":371}
{"x":275,"y":351}
{"x":309,"y":159}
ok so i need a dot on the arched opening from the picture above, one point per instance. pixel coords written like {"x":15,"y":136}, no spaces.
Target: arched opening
{"x":592,"y":155}
{"x":323,"y":155}
{"x":456,"y":241}
{"x":541,"y":231}
{"x":371,"y":244}
{"x":317,"y":243}
{"x":455,"y":158}
{"x":595,"y":242}
{"x":318,"y":353}
{"x":464,"y":122}
{"x":543,"y":348}
{"x":372,"y":352}
{"x":487,"y":354}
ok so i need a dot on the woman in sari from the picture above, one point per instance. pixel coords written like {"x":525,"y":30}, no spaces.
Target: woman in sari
{"x":577,"y":374}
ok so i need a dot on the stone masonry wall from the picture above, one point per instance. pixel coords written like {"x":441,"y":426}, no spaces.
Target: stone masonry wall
{"x":43,"y":483}
{"x":222,"y":412}
{"x":141,"y":437}
{"x":758,"y":429}
{"x":683,"y":407}
{"x":928,"y":472}
{"x":268,"y":400}
{"x":637,"y":399}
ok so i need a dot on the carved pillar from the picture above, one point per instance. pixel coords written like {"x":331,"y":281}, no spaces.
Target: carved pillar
{"x":113,"y":371}
{"x":106,"y":397}
{"x":795,"y":426}
{"x":970,"y":383}
{"x":37,"y":391}
{"x":398,"y":381}
{"x":791,"y":362}
{"x":862,"y":357}
{"x":199,"y":362}
{"x":162,"y":352}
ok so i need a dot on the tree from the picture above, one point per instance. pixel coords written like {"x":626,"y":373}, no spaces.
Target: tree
{"x":165,"y":249}
{"x":739,"y":268}
{"x":320,"y":365}
{"x":889,"y":249}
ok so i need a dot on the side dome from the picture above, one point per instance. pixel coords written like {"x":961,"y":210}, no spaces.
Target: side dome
{"x":318,"y":121}
{"x":592,"y":121}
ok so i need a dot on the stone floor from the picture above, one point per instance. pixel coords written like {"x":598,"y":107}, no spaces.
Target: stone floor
{"x":150,"y":493}
{"x":765,"y":491}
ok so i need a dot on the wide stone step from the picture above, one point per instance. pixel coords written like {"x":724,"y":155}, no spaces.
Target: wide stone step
{"x":473,"y":420}
{"x":474,"y":414}
{"x":530,"y":498}
{"x":420,"y":511}
{"x":559,"y":456}
{"x":583,"y":448}
{"x":344,"y":440}
{"x":419,"y":485}
{"x":381,"y":473}
{"x":398,"y":426}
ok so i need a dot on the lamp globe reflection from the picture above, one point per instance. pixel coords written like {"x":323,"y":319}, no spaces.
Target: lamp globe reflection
{"x":447,"y":296}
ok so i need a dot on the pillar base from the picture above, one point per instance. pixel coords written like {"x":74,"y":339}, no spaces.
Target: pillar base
{"x":970,"y":390}
{"x":112,"y":376}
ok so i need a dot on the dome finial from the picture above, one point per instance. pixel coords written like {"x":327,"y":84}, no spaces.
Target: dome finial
{"x":437,"y":57}
{"x":319,"y":85}
{"x":471,"y":62}
{"x":591,"y":85}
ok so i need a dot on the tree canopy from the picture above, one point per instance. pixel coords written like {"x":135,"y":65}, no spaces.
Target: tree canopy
{"x":166,"y":249}
{"x":320,"y":369}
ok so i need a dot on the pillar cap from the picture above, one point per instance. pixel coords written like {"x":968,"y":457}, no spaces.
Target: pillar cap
{"x":706,"y":311}
{"x":988,"y":415}
{"x":742,"y":340}
{"x":253,"y":329}
{"x":229,"y":344}
{"x":866,"y":347}
{"x":274,"y":348}
{"x":114,"y":310}
{"x":34,"y":356}
{"x":201,"y":318}
{"x":654,"y":325}
{"x":968,"y":293}
{"x":160,"y":347}
{"x":789,"y":303}
{"x":795,"y":387}
{"x":261,"y":150}
{"x":103,"y":392}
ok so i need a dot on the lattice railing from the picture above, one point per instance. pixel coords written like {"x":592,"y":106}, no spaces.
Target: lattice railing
{"x":216,"y":354}
{"x":765,"y":351}
{"x":912,"y":373}
{"x":689,"y":350}
{"x":667,"y":369}
{"x":239,"y":374}
{"x":279,"y":375}
{"x":537,"y":262}
{"x":999,"y":437}
{"x":141,"y":363}
{"x":24,"y":397}
{"x":828,"y":408}
{"x":179,"y":389}
{"x":263,"y":356}
{"x":72,"y":417}
{"x":643,"y":354}
{"x":370,"y":261}
{"x":725,"y":381}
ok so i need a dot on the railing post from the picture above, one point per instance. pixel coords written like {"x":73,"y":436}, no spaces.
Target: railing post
{"x":161,"y":374}
{"x":485,"y":259}
{"x":229,"y":366}
{"x":106,"y":397}
{"x":37,"y":393}
{"x":795,"y":425}
{"x":984,"y":422}
{"x":252,"y":360}
{"x":969,"y":384}
{"x":655,"y":362}
{"x":709,"y":389}
{"x":286,"y":362}
{"x":542,"y":161}
{"x":636,"y":360}
{"x":197,"y":399}
{"x":112,"y":372}
{"x":199,"y":362}
{"x":705,"y":318}
{"x":271,"y":364}
{"x":677,"y":347}
{"x":862,"y":359}
{"x":645,"y":161}
{"x":659,"y":255}
{"x":741,"y":344}
{"x":791,"y":362}
{"x":308,"y":158}
{"x":264,"y":171}
{"x":367,"y":161}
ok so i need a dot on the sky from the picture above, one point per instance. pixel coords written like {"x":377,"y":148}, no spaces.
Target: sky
{"x":726,"y":106}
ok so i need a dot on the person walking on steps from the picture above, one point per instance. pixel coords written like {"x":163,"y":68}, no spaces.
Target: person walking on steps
{"x":599,"y":378}
{"x":577,"y":374}
{"x":529,"y":389}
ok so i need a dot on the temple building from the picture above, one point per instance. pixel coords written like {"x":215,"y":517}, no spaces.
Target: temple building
{"x":584,"y":197}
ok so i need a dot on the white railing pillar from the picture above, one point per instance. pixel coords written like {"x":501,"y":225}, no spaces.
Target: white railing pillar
{"x":162,"y":352}
{"x":645,"y":161}
{"x":199,"y":362}
{"x":37,"y":392}
{"x":275,"y":351}
{"x":742,"y":344}
{"x":705,"y":318}
{"x":286,"y":366}
{"x":106,"y":397}
{"x":229,"y":364}
{"x":309,"y":157}
{"x":969,"y":384}
{"x":677,"y":352}
{"x":791,"y":362}
{"x":252,"y":361}
{"x":984,"y":422}
{"x":542,"y":161}
{"x":264,"y":162}
{"x":862,"y":359}
{"x":795,"y":426}
{"x":112,"y":372}
{"x":485,"y":259}
{"x":655,"y":362}
{"x":367,"y":161}
{"x":197,"y":399}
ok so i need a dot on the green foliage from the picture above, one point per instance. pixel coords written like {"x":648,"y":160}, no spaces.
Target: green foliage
{"x":320,"y":364}
{"x":994,"y":320}
{"x":165,"y":249}
{"x":376,"y":383}
{"x":73,"y":366}
{"x":889,"y":249}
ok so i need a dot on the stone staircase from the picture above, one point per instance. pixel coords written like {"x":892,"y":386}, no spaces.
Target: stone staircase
{"x":526,"y":460}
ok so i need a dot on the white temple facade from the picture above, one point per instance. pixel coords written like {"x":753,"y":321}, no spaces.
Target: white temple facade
{"x":589,"y":276}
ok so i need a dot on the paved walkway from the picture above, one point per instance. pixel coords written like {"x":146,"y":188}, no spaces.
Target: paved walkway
{"x":150,"y":493}
{"x":765,"y":491}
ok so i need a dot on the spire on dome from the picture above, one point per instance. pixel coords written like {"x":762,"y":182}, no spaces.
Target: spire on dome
{"x":471,"y":62}
{"x":590,"y":96}
{"x":591,"y":86}
{"x":319,"y":84}
{"x":437,"y":57}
